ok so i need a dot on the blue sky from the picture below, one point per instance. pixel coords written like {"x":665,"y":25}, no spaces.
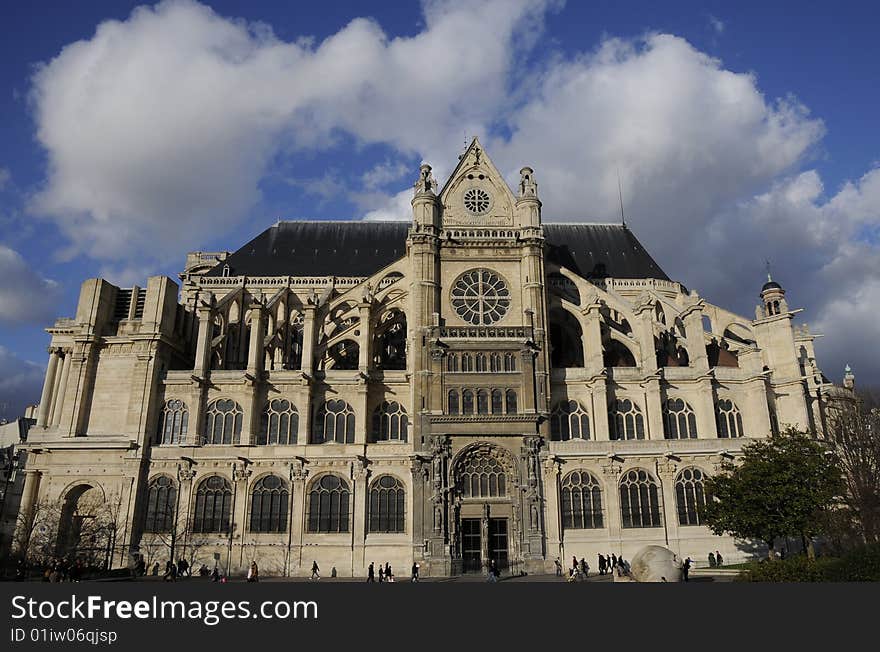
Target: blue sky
{"x":744,"y":131}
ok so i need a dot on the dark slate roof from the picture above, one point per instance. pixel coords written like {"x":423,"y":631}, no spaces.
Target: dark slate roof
{"x":358,"y":248}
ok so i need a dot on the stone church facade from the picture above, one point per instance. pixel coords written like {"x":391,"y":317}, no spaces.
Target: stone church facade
{"x":469,"y":386}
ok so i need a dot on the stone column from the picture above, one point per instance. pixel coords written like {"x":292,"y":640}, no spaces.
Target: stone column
{"x":365,"y":338}
{"x":552,"y":513}
{"x":610,"y":477}
{"x":239,"y":523}
{"x":308,"y":351}
{"x":48,"y":387}
{"x":29,"y":494}
{"x":183,"y":523}
{"x":599,"y":409}
{"x":360,"y":480}
{"x":653,"y":409}
{"x":299,"y":498}
{"x":668,"y":510}
{"x":56,"y":387}
{"x":254,"y":373}
{"x":62,"y":390}
{"x":592,"y":339}
{"x":203,"y":343}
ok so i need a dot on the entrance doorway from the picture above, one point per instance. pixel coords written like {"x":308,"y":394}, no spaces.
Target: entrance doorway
{"x":498,"y":542}
{"x":471,"y":545}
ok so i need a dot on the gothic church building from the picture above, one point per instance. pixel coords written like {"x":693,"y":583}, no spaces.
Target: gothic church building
{"x":474,"y":385}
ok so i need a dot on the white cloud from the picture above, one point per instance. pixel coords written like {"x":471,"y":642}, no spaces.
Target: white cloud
{"x":25,"y":296}
{"x":162,"y":125}
{"x":717,"y":24}
{"x":21,"y":382}
{"x":5,"y":176}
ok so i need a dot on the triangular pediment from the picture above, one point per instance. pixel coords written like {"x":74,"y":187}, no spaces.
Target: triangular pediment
{"x":476,"y":193}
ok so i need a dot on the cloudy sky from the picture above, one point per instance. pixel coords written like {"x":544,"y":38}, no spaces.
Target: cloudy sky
{"x":130,"y":135}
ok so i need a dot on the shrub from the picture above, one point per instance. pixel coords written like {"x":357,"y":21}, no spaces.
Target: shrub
{"x":862,"y":565}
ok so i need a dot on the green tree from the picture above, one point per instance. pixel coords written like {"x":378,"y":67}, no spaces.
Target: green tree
{"x":780,"y":487}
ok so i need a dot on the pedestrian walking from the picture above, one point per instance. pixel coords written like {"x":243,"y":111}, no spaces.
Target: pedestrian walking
{"x":685,"y":569}
{"x":315,"y":569}
{"x":585,"y":568}
{"x":381,"y":573}
{"x":371,"y":573}
{"x":253,"y":572}
{"x":719,"y":560}
{"x":601,"y":564}
{"x":712,"y":561}
{"x":415,"y":572}
{"x":558,"y":566}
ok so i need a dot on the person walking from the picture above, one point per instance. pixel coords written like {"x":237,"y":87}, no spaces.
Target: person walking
{"x":601,"y":564}
{"x":371,"y":573}
{"x":711,"y":560}
{"x":170,"y":571}
{"x":492,"y":575}
{"x":585,"y":568}
{"x":415,"y":572}
{"x":613,"y":562}
{"x":389,"y":576}
{"x":685,"y":569}
{"x":315,"y":569}
{"x":253,"y":572}
{"x":381,"y":573}
{"x":719,"y":560}
{"x":558,"y":566}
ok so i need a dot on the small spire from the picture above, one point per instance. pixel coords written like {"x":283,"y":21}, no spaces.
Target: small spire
{"x":767,"y":266}
{"x":620,"y":197}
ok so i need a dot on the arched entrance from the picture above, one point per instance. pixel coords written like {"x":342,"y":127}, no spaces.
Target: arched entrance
{"x":82,"y":530}
{"x":485,"y":509}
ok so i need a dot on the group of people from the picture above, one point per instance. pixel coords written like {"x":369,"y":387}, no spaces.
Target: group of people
{"x":386,"y":574}
{"x":580,"y":570}
{"x":716,"y":560}
{"x":55,"y":569}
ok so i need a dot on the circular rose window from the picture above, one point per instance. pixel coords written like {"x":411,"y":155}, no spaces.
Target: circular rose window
{"x":480,"y":297}
{"x":477,"y":201}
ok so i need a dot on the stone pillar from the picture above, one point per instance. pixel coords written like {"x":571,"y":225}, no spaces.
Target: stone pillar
{"x":57,"y":386}
{"x":592,"y":339}
{"x":696,"y":342}
{"x":668,"y":509}
{"x":203,"y":343}
{"x":29,"y":494}
{"x":239,"y":523}
{"x":255,"y":374}
{"x":62,"y":389}
{"x":255,"y":345}
{"x":610,"y":492}
{"x":183,"y":523}
{"x":308,"y":351}
{"x":360,"y":480}
{"x":530,"y":402}
{"x":653,"y":409}
{"x":552,"y":514}
{"x":299,"y":498}
{"x":48,"y":387}
{"x":599,"y":409}
{"x":365,"y":338}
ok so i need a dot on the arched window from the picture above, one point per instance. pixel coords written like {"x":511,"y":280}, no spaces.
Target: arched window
{"x":566,"y":340}
{"x":173,"y":422}
{"x":328,"y":505}
{"x":467,"y":402}
{"x":269,"y":505}
{"x":509,"y":362}
{"x":213,"y":505}
{"x":510,"y":396}
{"x":581,"y":502}
{"x":387,"y":505}
{"x":569,"y":420}
{"x":334,"y":422}
{"x":679,"y":420}
{"x":482,"y":401}
{"x":161,"y":505}
{"x":482,"y":476}
{"x":495,"y":362}
{"x":390,"y":422}
{"x":452,"y":403}
{"x":497,"y":401}
{"x":617,"y":354}
{"x":223,"y":422}
{"x":728,"y":418}
{"x":690,"y":497}
{"x":391,"y":341}
{"x":481,"y":363}
{"x":627,"y":420}
{"x":279,"y":423}
{"x":467,"y":362}
{"x":639,"y":502}
{"x":344,"y":355}
{"x":452,"y":362}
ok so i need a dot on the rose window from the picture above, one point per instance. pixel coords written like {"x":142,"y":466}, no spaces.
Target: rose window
{"x":480,"y":297}
{"x":476,"y":201}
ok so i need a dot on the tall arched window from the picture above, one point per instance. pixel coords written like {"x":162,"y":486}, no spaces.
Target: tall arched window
{"x":497,"y":401}
{"x":639,"y":500}
{"x":566,"y":340}
{"x":279,"y":423}
{"x":213,"y":505}
{"x":482,"y":401}
{"x":334,"y":422}
{"x":452,"y":362}
{"x":328,"y":505}
{"x":581,"y":501}
{"x":510,"y":396}
{"x":569,"y":420}
{"x":627,"y":420}
{"x":467,"y":402}
{"x":690,"y":497}
{"x":390,"y":422}
{"x":173,"y":422}
{"x":728,"y":418}
{"x":161,"y":505}
{"x":495,"y":362}
{"x":387,"y":505}
{"x":269,"y":500}
{"x":679,"y":420}
{"x":344,"y":355}
{"x":391,"y":341}
{"x":482,"y":476}
{"x":481,"y":365}
{"x":452,"y":402}
{"x":467,"y":362}
{"x":223,"y":422}
{"x":509,"y":362}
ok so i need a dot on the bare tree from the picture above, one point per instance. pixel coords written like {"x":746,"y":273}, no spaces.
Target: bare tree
{"x":855,"y":431}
